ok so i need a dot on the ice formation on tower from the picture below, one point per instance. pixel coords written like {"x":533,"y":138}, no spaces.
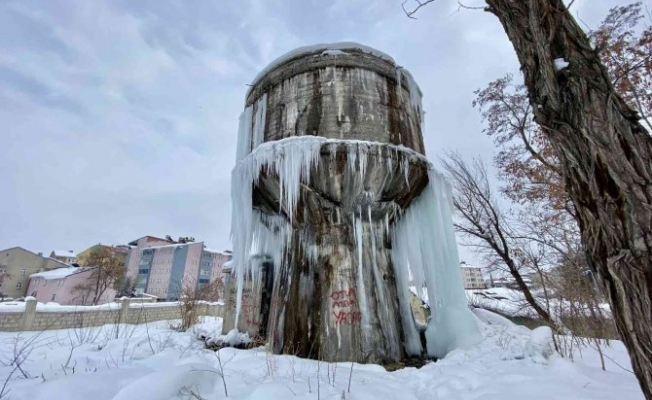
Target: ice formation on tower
{"x":331,"y":187}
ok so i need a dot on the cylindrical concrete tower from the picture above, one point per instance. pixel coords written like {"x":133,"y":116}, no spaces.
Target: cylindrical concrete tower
{"x":330,"y":152}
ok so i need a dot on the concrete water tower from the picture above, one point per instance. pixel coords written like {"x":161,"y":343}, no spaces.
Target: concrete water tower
{"x":330,"y":153}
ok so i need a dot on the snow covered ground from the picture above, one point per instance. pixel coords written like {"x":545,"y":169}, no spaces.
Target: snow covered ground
{"x":512,"y":302}
{"x":154,"y":362}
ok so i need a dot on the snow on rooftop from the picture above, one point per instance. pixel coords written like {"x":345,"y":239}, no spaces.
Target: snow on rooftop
{"x":468,"y":266}
{"x":58,"y":273}
{"x":168,"y":245}
{"x":332,"y":49}
{"x":58,"y":261}
{"x":64,"y":253}
{"x":223,"y":252}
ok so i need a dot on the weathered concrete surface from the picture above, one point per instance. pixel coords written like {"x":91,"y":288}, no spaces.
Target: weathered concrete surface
{"x":334,"y":296}
{"x":346,"y":96}
{"x":250,"y":317}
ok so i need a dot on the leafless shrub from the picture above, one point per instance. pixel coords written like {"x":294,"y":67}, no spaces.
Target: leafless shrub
{"x":504,"y":339}
{"x":348,"y":389}
{"x":221,"y":371}
{"x":21,"y":351}
{"x":191,"y":294}
{"x":270,"y":362}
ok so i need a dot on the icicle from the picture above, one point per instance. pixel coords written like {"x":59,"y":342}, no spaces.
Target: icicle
{"x":362,"y":293}
{"x":381,"y":288}
{"x":399,"y":87}
{"x":424,"y":247}
{"x":386,"y":223}
{"x":351,"y":158}
{"x":244,"y":135}
{"x":405,"y":166}
{"x":363,"y":151}
{"x":259,"y":121}
{"x":415,"y":99}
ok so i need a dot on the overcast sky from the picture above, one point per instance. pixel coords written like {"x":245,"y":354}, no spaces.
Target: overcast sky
{"x":118,"y":119}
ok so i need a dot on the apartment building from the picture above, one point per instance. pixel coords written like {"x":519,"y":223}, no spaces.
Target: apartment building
{"x":472,"y":276}
{"x":120,"y":251}
{"x":163,"y":269}
{"x":135,"y":251}
{"x":16,"y":265}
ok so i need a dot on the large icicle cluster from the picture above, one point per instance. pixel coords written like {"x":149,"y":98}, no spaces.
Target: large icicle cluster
{"x":290,"y":159}
{"x":251,"y":126}
{"x":423,"y":241}
{"x":424,"y":248}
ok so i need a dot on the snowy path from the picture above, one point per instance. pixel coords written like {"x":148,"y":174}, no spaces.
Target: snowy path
{"x":508,"y":364}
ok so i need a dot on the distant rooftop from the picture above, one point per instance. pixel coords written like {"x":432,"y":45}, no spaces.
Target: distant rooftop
{"x":225,"y":252}
{"x":161,"y":246}
{"x":149,"y":238}
{"x":465,"y":265}
{"x":58,"y":273}
{"x":63,"y":253}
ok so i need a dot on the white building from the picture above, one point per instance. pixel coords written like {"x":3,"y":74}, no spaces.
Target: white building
{"x":65,"y":256}
{"x":472,"y":276}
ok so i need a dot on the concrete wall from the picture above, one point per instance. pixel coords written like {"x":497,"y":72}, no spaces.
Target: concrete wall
{"x":128,"y":311}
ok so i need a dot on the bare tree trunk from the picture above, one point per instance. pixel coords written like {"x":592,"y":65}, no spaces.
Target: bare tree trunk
{"x":97,"y":285}
{"x":606,"y":157}
{"x":482,"y":220}
{"x":513,"y":270}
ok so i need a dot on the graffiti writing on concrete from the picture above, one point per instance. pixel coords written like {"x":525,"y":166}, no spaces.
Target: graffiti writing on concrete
{"x":345,"y":307}
{"x":249,"y":310}
{"x":347,"y":317}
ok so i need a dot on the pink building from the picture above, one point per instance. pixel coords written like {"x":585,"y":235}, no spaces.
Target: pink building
{"x":136,"y":246}
{"x":68,"y":286}
{"x":163,"y":270}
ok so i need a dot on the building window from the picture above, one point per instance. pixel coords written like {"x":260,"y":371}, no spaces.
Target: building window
{"x":23,"y":271}
{"x":53,"y":296}
{"x":203,"y":280}
{"x":19,"y":285}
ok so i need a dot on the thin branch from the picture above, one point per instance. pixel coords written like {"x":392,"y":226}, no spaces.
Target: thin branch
{"x":570,"y":4}
{"x":410,"y":14}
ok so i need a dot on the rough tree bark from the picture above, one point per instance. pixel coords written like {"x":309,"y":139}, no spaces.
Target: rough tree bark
{"x":606,"y":157}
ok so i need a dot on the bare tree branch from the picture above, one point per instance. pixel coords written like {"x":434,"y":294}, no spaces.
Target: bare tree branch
{"x":410,"y":14}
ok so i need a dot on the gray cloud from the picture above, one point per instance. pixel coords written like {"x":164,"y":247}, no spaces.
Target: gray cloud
{"x":119,"y":119}
{"x":37,"y":92}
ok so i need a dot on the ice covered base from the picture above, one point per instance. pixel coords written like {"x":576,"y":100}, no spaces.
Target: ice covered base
{"x":350,"y":284}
